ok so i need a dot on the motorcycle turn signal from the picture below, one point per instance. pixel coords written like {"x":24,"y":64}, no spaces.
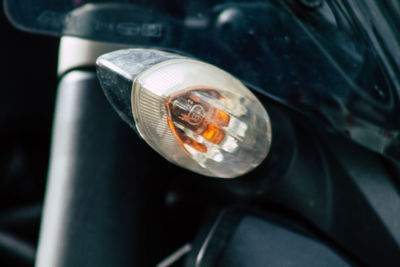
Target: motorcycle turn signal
{"x":194,"y":114}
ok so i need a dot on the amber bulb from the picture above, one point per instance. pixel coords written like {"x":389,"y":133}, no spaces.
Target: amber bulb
{"x":190,"y":112}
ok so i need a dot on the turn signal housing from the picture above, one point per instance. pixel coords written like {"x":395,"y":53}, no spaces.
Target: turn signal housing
{"x":194,"y":114}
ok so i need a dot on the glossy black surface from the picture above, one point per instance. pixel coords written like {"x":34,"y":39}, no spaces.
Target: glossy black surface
{"x":115,"y":201}
{"x":26,"y":105}
{"x":243,"y":237}
{"x":98,"y":193}
{"x":336,"y":61}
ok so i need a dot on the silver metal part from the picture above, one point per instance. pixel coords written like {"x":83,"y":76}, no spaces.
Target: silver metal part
{"x":76,"y":52}
{"x":177,"y":255}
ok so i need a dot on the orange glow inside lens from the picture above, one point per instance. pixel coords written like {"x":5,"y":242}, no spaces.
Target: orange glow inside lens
{"x":194,"y":114}
{"x":214,"y":134}
{"x":221,"y":118}
{"x":193,"y":143}
{"x":184,"y":139}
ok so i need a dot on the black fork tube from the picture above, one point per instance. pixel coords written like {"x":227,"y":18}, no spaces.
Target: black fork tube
{"x":99,"y":202}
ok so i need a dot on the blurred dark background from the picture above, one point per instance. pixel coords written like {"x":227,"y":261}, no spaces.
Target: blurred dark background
{"x":27,"y":95}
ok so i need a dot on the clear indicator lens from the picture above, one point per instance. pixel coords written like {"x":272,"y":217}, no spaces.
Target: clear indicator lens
{"x":201,"y":118}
